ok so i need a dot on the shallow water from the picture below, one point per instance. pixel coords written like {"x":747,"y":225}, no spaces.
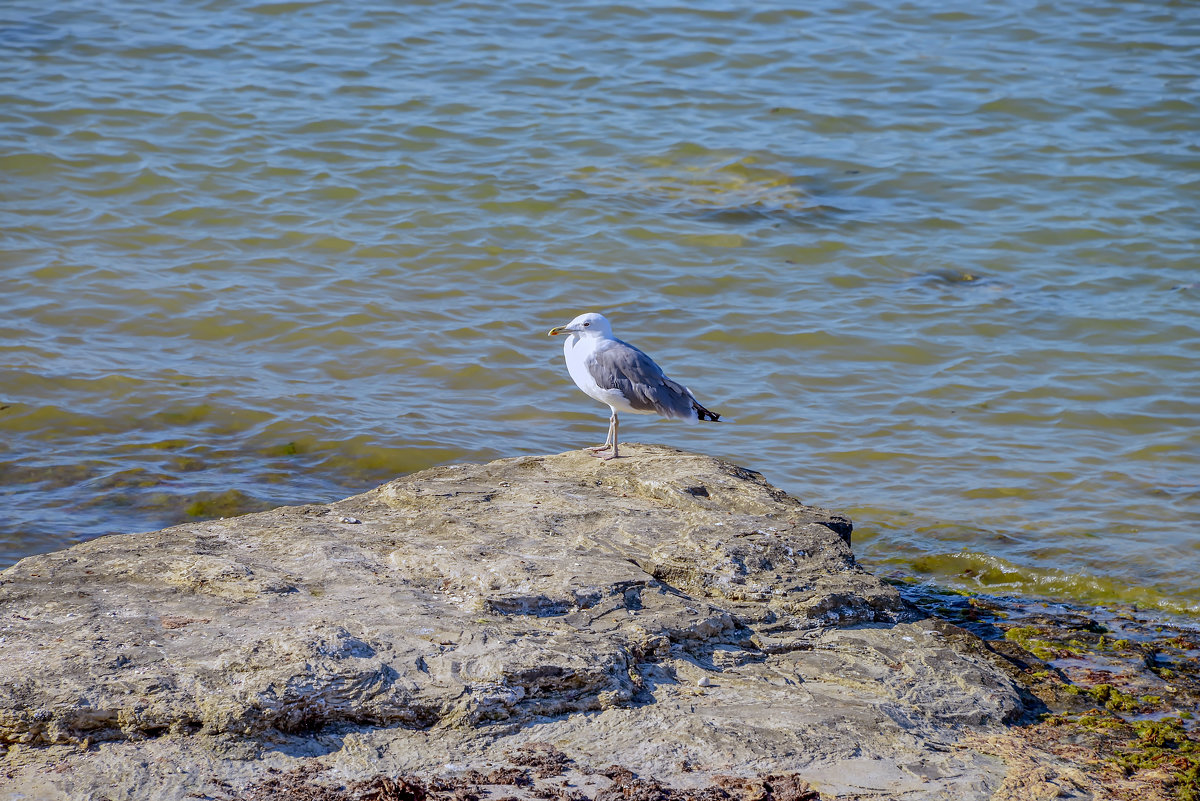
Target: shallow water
{"x":938,"y":269}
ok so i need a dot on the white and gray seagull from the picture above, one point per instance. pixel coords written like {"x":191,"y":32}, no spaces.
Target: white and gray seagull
{"x":621,"y":376}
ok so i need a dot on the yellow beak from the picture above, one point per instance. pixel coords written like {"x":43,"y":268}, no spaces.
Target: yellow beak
{"x":558,"y":329}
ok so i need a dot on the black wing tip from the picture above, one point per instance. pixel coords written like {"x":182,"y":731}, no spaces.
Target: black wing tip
{"x":701,"y":414}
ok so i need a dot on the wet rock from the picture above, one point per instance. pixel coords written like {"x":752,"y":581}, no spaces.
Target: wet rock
{"x":610,"y":609}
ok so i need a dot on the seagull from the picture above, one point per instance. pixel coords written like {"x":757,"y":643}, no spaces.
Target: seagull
{"x":621,"y":376}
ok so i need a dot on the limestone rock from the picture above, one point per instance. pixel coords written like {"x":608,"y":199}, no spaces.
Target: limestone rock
{"x":429,"y":624}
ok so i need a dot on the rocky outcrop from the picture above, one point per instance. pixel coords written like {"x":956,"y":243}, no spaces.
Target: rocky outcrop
{"x":666,"y":612}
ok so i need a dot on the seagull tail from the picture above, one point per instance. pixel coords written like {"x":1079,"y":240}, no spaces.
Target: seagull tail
{"x":705,"y":414}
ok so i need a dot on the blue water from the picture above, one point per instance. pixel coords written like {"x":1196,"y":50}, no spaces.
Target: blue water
{"x":938,"y":267}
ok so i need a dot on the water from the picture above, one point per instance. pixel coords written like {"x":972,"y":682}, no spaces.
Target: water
{"x":939,"y":268}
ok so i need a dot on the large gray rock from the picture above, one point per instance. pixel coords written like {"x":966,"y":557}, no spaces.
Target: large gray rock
{"x":667,"y":612}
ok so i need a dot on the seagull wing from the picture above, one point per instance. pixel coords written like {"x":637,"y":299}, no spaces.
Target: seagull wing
{"x":617,"y":365}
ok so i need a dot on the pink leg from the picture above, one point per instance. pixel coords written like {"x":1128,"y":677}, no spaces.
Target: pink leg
{"x":610,"y":441}
{"x":614,"y":439}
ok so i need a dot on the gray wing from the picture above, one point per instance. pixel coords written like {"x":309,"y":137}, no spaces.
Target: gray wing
{"x":620,"y":366}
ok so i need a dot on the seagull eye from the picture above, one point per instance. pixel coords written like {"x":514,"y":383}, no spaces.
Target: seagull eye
{"x":585,"y":325}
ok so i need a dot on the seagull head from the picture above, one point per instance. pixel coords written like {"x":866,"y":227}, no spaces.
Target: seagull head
{"x":590,"y":324}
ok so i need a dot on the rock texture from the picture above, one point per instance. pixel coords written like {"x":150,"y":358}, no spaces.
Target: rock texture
{"x":665,"y":612}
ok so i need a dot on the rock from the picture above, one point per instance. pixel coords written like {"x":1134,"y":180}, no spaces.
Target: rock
{"x":667,"y":613}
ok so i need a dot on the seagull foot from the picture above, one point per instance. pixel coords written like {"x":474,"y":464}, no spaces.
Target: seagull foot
{"x":598,"y":449}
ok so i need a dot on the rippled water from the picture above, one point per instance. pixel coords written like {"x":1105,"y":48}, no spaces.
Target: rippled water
{"x":939,"y":268}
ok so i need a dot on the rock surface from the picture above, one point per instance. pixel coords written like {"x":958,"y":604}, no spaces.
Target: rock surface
{"x":665,"y":612}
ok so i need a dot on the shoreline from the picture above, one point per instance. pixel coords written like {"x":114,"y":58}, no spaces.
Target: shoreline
{"x":1120,"y":689}
{"x":902,"y":574}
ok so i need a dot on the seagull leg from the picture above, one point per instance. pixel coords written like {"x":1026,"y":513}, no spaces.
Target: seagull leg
{"x":610,"y":441}
{"x":607,"y":441}
{"x":614,"y":438}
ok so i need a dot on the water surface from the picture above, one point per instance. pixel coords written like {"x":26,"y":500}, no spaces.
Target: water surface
{"x":938,"y":268}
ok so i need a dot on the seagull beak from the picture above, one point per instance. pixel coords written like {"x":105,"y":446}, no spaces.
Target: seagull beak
{"x":558,"y":329}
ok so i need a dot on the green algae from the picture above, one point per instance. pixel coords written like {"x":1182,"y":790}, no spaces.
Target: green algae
{"x":1030,"y":638}
{"x":1119,"y":686}
{"x":223,"y":504}
{"x":1165,"y":744}
{"x":1117,"y":701}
